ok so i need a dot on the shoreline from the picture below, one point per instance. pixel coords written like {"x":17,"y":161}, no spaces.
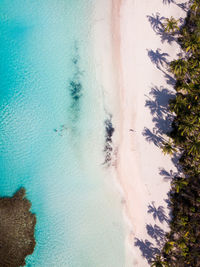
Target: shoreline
{"x":106,"y":48}
{"x":139,"y":161}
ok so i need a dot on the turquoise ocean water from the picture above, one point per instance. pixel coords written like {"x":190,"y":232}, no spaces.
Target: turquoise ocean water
{"x":52,"y":133}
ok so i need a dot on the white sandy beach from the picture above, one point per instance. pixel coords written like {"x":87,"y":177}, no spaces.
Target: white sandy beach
{"x":125,"y":44}
{"x":140,"y":160}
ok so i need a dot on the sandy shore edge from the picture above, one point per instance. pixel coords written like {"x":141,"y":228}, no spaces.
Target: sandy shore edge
{"x":123,"y":41}
{"x":140,"y":161}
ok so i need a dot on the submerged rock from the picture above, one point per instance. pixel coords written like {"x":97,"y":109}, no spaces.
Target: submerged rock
{"x":17,"y":226}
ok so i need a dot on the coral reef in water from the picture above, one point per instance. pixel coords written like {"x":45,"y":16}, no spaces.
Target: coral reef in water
{"x":17,"y":226}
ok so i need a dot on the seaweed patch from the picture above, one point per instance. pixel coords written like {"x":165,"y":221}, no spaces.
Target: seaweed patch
{"x":108,"y":148}
{"x":75,"y":87}
{"x":75,"y":90}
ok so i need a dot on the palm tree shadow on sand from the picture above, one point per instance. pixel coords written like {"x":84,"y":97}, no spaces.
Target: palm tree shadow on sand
{"x":150,"y":249}
{"x":147,"y":248}
{"x":167,"y":175}
{"x":157,"y":57}
{"x":156,"y":21}
{"x":158,"y":213}
{"x":168,"y":2}
{"x":156,"y":233}
{"x":183,"y":6}
{"x":157,"y":102}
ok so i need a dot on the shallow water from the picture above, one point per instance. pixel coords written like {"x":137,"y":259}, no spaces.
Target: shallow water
{"x":52,"y":133}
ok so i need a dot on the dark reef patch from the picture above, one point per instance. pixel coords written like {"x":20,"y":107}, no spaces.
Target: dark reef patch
{"x":17,"y":226}
{"x":75,"y":87}
{"x":108,"y":148}
{"x":75,"y":90}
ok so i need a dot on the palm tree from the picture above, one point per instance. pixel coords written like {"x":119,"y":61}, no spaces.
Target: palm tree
{"x":158,"y":262}
{"x":182,"y":243}
{"x":191,"y":46}
{"x":179,"y":183}
{"x":195,"y":148}
{"x":179,"y":67}
{"x":195,"y":4}
{"x":183,"y":246}
{"x":171,"y":25}
{"x":168,"y":246}
{"x":187,"y":127}
{"x":168,"y":148}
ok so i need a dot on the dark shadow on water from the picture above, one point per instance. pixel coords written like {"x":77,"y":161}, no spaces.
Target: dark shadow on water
{"x":158,"y":213}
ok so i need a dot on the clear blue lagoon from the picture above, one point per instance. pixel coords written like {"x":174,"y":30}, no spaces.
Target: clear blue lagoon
{"x":52,"y":133}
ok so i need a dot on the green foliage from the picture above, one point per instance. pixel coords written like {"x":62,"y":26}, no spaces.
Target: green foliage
{"x":179,"y":67}
{"x":168,"y":246}
{"x":168,"y":148}
{"x":182,"y":246}
{"x":194,"y":5}
{"x":179,"y":183}
{"x":171,"y":25}
{"x":159,"y":262}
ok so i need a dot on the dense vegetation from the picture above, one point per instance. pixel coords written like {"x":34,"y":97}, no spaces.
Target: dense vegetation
{"x":182,"y":244}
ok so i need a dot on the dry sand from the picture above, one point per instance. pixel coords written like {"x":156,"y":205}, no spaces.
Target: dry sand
{"x":141,"y":160}
{"x":125,"y":44}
